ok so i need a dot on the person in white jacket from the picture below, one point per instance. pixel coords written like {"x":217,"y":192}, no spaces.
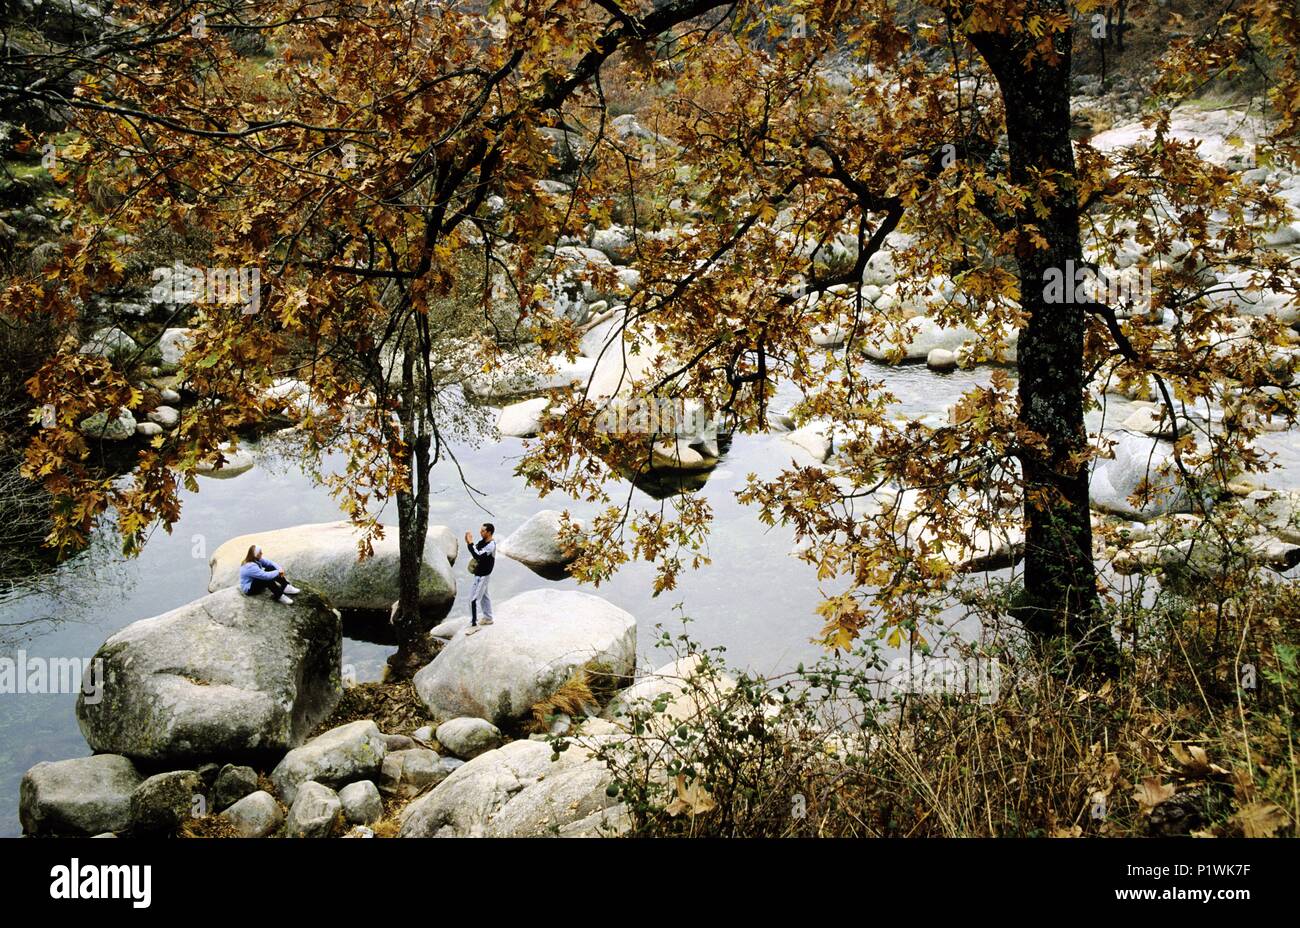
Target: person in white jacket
{"x":484,"y":553}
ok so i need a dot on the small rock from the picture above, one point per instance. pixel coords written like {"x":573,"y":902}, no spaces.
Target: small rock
{"x":361,"y":803}
{"x":208,"y":773}
{"x":148,"y":429}
{"x":398,"y":743}
{"x":467,"y":737}
{"x":165,"y":416}
{"x":161,"y":803}
{"x":119,"y":428}
{"x":256,"y":815}
{"x":233,"y":784}
{"x":316,"y":812}
{"x":941,"y":359}
{"x":677,"y":455}
{"x":406,"y":774}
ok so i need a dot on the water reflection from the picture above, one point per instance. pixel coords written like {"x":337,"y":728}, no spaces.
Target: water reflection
{"x":754,"y":599}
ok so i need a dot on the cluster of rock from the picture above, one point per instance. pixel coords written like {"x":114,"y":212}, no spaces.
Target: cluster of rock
{"x":159,"y":412}
{"x":616,"y":360}
{"x":1260,"y":530}
{"x":208,"y":711}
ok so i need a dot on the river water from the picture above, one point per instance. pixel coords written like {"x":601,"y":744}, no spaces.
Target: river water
{"x":754,"y":599}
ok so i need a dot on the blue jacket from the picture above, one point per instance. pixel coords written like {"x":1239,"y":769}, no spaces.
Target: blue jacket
{"x":261,"y":569}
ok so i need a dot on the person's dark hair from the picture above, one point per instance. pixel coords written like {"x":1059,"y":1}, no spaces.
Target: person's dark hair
{"x":251,"y":555}
{"x":492,"y":529}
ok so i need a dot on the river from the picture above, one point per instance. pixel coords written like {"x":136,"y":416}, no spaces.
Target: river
{"x":754,"y":599}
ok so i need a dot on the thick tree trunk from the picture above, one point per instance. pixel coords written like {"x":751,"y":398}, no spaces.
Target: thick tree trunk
{"x":412,"y":507}
{"x":1059,"y":600}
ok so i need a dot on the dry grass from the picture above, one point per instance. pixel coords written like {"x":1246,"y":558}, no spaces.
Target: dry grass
{"x":209,"y":826}
{"x":1176,"y":744}
{"x":394,"y":707}
{"x":391,"y":824}
{"x":588,"y":689}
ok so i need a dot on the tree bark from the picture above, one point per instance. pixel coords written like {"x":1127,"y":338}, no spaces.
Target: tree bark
{"x":1059,"y":601}
{"x":412,"y":506}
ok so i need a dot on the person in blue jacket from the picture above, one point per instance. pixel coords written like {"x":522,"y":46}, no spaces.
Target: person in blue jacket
{"x":260,"y":574}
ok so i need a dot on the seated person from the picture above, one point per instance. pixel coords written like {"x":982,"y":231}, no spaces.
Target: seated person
{"x":258,"y":574}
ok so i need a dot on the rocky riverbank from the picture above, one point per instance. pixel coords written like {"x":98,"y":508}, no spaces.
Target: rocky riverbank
{"x":210,"y":724}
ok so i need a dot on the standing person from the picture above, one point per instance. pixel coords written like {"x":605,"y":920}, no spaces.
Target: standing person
{"x":483,"y":559}
{"x":258,"y":574}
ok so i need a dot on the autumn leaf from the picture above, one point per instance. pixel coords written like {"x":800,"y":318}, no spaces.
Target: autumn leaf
{"x":1195,"y":761}
{"x":1261,"y":819}
{"x":694,"y":799}
{"x":1151,"y":792}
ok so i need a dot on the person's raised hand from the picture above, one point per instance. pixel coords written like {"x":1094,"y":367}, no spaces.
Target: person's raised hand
{"x":469,"y":539}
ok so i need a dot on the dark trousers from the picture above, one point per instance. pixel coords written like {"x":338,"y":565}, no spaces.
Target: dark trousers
{"x":276,"y":586}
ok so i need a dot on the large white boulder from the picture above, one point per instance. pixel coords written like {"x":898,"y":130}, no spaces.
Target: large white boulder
{"x":684,"y":688}
{"x":514,"y":791}
{"x":232,"y":463}
{"x":677,"y":454}
{"x":615,"y":243}
{"x":1277,"y":510}
{"x":922,"y":335}
{"x":524,"y":419}
{"x":1138,"y":462}
{"x":1220,"y":136}
{"x":109,"y":341}
{"x":323,"y":557}
{"x":589,"y":268}
{"x":520,"y":376}
{"x":540,"y":638}
{"x":817,"y":438}
{"x":536,"y":543}
{"x":224,"y":676}
{"x":441,"y":538}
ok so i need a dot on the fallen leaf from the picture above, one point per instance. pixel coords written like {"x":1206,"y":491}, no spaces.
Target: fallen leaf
{"x":1152,"y":792}
{"x":1261,"y":819}
{"x":1192,"y":757}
